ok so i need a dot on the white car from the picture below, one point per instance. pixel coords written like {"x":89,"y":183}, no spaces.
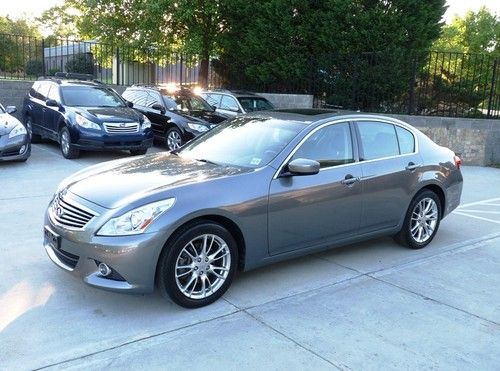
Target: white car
{"x":232,"y":103}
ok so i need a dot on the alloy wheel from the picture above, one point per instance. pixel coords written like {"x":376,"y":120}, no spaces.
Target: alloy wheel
{"x":424,"y":219}
{"x":174,"y":140}
{"x":202,"y":266}
{"x":65,"y":142}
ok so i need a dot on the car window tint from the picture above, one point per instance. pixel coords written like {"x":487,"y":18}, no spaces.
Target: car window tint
{"x":153,"y":98}
{"x":229,"y":103}
{"x":34,"y":90}
{"x":54,"y":93}
{"x":255,"y":104}
{"x":213,"y":99}
{"x":378,"y":140}
{"x":43,"y":91}
{"x":406,"y":140}
{"x":330,"y":146}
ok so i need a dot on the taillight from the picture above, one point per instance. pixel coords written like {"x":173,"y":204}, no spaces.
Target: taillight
{"x":458,"y":161}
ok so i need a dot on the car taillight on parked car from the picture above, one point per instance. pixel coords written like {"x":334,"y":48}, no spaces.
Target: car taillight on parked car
{"x":458,"y":161}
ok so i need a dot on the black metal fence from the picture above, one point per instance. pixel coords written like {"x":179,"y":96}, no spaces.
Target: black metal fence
{"x":431,"y":83}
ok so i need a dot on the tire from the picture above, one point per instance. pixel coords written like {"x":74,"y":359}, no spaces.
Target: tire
{"x":421,"y":221}
{"x":173,"y":139}
{"x":138,"y":152}
{"x":68,"y":150}
{"x":34,"y":138}
{"x":188,"y":275}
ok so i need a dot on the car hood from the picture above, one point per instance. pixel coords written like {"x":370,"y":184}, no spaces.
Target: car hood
{"x":117,"y":183}
{"x":211,"y":117}
{"x":110,"y":114}
{"x":7,"y":123}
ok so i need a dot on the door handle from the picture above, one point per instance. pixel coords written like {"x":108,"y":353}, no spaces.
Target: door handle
{"x":412,"y":166}
{"x":349,"y":180}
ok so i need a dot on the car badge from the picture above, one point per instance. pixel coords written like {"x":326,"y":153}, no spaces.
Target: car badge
{"x":122,"y":125}
{"x":59,"y":212}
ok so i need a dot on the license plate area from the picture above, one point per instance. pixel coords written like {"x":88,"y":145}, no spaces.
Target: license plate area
{"x":52,"y":239}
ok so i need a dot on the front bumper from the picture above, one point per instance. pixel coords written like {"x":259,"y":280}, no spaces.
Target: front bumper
{"x":132,"y":258}
{"x":12,"y":149}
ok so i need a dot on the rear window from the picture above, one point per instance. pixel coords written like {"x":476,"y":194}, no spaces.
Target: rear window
{"x":255,"y":104}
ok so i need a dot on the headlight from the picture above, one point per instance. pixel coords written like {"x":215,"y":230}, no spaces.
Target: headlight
{"x":146,"y":124}
{"x":19,"y":129}
{"x":135,"y":221}
{"x":85,"y":123}
{"x":197,"y":127}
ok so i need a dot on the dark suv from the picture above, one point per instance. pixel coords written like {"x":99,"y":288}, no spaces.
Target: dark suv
{"x":177,"y":115}
{"x":84,"y":115}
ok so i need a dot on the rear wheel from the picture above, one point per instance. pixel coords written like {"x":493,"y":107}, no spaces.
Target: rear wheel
{"x":173,"y":139}
{"x":34,"y":138}
{"x":421,"y":221}
{"x":199,"y":266}
{"x":67,"y":148}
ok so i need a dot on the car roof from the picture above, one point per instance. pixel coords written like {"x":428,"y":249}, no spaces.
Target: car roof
{"x":316,"y":115}
{"x":235,"y":93}
{"x":64,"y":82}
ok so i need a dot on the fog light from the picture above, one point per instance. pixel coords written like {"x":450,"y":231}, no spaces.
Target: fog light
{"x":21,"y":151}
{"x":104,"y":270}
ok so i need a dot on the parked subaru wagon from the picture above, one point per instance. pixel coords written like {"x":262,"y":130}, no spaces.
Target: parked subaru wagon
{"x":84,"y":115}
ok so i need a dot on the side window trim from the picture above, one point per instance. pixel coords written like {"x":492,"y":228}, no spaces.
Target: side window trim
{"x":394,"y":124}
{"x":298,"y":145}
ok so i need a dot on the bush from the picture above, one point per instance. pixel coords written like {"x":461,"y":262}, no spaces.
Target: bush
{"x":34,"y":68}
{"x":52,"y":71}
{"x":81,"y":63}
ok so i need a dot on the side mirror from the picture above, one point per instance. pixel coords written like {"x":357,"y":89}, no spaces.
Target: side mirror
{"x":130,"y":104}
{"x":303,"y":166}
{"x":11,"y":109}
{"x":158,"y":107}
{"x":52,"y":103}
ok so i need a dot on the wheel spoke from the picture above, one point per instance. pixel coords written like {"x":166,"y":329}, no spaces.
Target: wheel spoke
{"x":185,"y":273}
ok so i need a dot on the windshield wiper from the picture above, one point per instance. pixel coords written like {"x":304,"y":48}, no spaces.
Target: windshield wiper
{"x":206,"y":161}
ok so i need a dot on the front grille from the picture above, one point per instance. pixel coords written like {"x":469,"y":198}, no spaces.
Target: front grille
{"x":69,"y":214}
{"x":121,"y":127}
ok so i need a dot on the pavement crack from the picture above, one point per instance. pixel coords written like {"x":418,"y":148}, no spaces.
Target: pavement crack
{"x":432,"y":299}
{"x":134,"y":341}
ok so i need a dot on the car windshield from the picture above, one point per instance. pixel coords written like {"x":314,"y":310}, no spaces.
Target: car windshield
{"x":90,"y":96}
{"x":251,"y":104}
{"x":243,"y":141}
{"x":186,"y":103}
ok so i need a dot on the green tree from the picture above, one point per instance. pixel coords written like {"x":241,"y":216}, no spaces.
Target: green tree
{"x":60,"y":21}
{"x":155,"y":26}
{"x":476,"y":32}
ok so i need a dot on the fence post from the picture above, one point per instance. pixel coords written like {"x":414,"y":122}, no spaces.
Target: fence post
{"x":411,"y":91}
{"x":117,"y":66}
{"x":43,"y":57}
{"x":492,"y":89}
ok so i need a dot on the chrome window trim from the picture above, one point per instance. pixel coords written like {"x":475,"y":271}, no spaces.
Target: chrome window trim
{"x":353,"y":121}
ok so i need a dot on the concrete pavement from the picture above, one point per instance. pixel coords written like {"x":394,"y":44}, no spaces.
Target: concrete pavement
{"x":374,"y":305}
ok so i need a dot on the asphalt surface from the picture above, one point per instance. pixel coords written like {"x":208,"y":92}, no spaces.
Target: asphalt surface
{"x":373,"y":305}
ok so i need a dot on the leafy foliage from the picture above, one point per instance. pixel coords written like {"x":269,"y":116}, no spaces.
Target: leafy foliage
{"x":81,"y":63}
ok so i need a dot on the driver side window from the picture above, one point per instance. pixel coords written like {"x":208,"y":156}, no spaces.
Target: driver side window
{"x":330,"y":146}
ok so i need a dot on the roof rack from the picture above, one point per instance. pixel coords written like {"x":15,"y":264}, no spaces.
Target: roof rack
{"x":75,"y":76}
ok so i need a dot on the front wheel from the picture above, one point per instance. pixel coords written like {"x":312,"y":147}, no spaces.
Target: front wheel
{"x":421,"y":221}
{"x":173,"y":139}
{"x":199,"y":266}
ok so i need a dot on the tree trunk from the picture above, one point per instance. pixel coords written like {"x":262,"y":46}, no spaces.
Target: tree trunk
{"x":203,"y":74}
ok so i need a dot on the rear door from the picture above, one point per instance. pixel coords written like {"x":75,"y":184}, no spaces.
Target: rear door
{"x":305,"y":211}
{"x":52,"y":114}
{"x":389,"y":163}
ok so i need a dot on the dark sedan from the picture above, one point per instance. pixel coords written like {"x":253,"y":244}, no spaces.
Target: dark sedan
{"x":14,"y":139}
{"x":177,"y":115}
{"x":255,"y":190}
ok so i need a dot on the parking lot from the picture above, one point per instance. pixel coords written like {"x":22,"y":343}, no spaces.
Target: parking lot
{"x":373,"y":305}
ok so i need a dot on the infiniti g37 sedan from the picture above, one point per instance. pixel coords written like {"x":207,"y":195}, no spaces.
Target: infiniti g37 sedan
{"x":254,"y":190}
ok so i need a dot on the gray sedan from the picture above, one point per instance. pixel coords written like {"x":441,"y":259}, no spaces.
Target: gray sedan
{"x":255,"y":190}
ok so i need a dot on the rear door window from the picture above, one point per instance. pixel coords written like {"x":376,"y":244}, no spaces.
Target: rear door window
{"x":229,"y":103}
{"x":378,"y":140}
{"x":213,"y":99}
{"x":406,"y":140}
{"x":43,"y":90}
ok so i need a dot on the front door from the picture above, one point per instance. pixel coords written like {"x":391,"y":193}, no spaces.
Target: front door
{"x":313,"y":210}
